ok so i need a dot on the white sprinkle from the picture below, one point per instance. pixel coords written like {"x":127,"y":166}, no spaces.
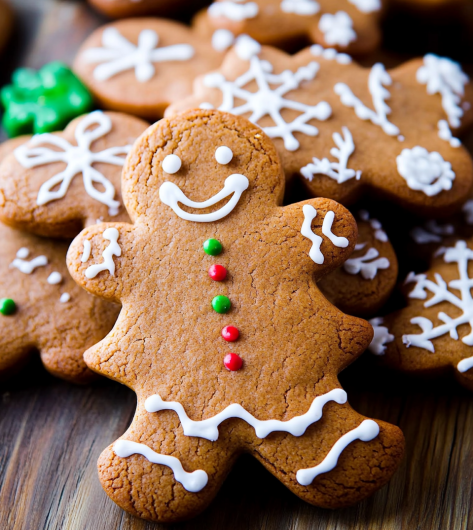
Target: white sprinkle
{"x":65,"y":297}
{"x":54,"y":278}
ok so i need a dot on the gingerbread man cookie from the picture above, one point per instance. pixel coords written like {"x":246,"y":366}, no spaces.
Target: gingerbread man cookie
{"x":363,"y":284}
{"x":55,"y":184}
{"x":224,"y":335}
{"x":348,"y":25}
{"x":346,"y":130}
{"x":134,"y":8}
{"x":434,"y":333}
{"x":142,"y":65}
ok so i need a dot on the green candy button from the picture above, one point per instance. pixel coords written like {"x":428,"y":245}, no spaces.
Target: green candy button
{"x":221,"y":304}
{"x":213,"y":247}
{"x":8,"y":306}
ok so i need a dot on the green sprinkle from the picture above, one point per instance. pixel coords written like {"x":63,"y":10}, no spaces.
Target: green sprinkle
{"x":7,"y":306}
{"x":221,"y":304}
{"x":213,"y":247}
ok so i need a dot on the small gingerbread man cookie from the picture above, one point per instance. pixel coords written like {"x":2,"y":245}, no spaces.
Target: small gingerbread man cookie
{"x":346,"y":130}
{"x":224,"y":335}
{"x":55,"y":184}
{"x":142,"y":65}
{"x":347,"y":25}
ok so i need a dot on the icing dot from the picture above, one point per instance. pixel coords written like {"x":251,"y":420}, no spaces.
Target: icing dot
{"x":232,"y":362}
{"x":222,"y":39}
{"x":218,"y":273}
{"x":223,"y":155}
{"x":171,"y":164}
{"x":213,"y":247}
{"x":221,"y":304}
{"x":54,"y":278}
{"x":23,"y":253}
{"x":230,"y":333}
{"x":65,"y":297}
{"x":7,"y":306}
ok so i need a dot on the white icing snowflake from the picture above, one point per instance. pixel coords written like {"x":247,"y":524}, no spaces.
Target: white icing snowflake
{"x":268,"y":101}
{"x":338,"y":171}
{"x":300,"y":7}
{"x":236,"y":10}
{"x":424,"y":171}
{"x":441,"y":291}
{"x":446,"y":134}
{"x":381,"y":336}
{"x":337,"y":29}
{"x":79,"y":159}
{"x":445,"y":77}
{"x":377,"y":227}
{"x":431,"y":232}
{"x":366,"y":6}
{"x":118,"y":55}
{"x":330,"y":54}
{"x":366,"y":265}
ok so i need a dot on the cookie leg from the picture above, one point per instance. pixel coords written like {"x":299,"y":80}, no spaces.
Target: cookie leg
{"x":67,"y":363}
{"x":336,"y":464}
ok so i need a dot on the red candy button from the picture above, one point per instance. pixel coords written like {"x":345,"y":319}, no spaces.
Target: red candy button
{"x":232,"y":362}
{"x":218,"y":272}
{"x":230,"y":333}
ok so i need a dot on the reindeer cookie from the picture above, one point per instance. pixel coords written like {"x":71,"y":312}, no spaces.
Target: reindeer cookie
{"x":363,"y":284}
{"x":142,"y":65}
{"x":348,"y":25}
{"x":346,"y":130}
{"x":224,"y":335}
{"x":55,"y":184}
{"x":434,"y":333}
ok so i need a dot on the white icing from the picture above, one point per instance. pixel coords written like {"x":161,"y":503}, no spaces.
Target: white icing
{"x":424,"y":171}
{"x":366,"y":431}
{"x":222,"y":39}
{"x":367,"y":265}
{"x":246,"y":47}
{"x":54,"y":278}
{"x":381,"y":337}
{"x":431,"y":232}
{"x":446,"y":134}
{"x":171,"y":194}
{"x":338,"y":171}
{"x":171,"y":164}
{"x":23,"y":253}
{"x":269,"y":100}
{"x":223,"y":155}
{"x":340,"y":242}
{"x":79,"y":160}
{"x":118,"y":54}
{"x":235,"y":11}
{"x":377,"y":81}
{"x":87,"y":248}
{"x":27,"y":267}
{"x":379,"y":233}
{"x":193,"y":482}
{"x":337,"y":29}
{"x":113,"y":249}
{"x":465,"y":365}
{"x":330,"y":54}
{"x":468,"y":212}
{"x":445,"y":77}
{"x":208,"y":428}
{"x":65,"y":297}
{"x":300,"y":7}
{"x":461,"y":255}
{"x":366,"y":6}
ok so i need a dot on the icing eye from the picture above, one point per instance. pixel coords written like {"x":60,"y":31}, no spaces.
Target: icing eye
{"x":223,"y":155}
{"x":171,"y":164}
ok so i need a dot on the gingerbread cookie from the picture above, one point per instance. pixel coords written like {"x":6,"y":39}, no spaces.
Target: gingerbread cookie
{"x":142,"y":65}
{"x":55,"y":184}
{"x":433,"y":334}
{"x":330,"y":119}
{"x":6,"y":23}
{"x":135,"y":8}
{"x":43,"y":101}
{"x":363,"y":284}
{"x":348,"y":25}
{"x":237,"y":349}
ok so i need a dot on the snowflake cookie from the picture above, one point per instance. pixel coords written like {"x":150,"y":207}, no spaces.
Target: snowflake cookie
{"x":345,"y":130}
{"x":363,"y":284}
{"x":434,"y":333}
{"x":54,"y":184}
{"x":224,"y":335}
{"x":140,"y":66}
{"x":348,"y":25}
{"x":42,"y":309}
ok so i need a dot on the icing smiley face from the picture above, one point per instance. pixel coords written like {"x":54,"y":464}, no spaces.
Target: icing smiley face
{"x":212,"y":275}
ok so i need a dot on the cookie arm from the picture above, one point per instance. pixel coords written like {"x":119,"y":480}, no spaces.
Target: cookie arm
{"x":323,"y":234}
{"x":99,"y":257}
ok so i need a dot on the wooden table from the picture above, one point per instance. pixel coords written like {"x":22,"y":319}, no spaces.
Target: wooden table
{"x":51,"y":432}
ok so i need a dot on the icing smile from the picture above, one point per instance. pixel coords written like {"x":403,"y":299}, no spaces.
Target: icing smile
{"x":171,"y":194}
